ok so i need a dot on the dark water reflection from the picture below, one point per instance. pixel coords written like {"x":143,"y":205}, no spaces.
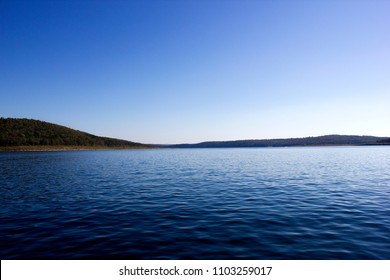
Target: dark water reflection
{"x":292,"y":203}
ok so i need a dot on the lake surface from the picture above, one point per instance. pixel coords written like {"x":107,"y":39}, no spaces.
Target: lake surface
{"x":251,"y":203}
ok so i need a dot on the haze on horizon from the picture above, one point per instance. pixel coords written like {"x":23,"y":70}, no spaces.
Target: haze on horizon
{"x":191,"y":71}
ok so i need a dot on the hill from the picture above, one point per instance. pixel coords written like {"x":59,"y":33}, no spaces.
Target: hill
{"x":34,"y":134}
{"x":326,"y":140}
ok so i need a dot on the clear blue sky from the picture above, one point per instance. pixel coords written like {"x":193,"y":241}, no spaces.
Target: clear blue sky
{"x":191,"y":71}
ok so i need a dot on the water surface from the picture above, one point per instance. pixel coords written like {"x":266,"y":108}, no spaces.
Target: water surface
{"x":250,"y":203}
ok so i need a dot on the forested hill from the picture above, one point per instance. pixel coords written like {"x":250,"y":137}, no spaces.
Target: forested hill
{"x":326,"y":140}
{"x":31,"y":133}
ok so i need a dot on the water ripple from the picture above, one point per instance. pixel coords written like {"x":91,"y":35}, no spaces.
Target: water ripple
{"x":297,"y":203}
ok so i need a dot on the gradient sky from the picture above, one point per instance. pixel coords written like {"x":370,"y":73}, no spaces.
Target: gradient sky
{"x":191,"y":71}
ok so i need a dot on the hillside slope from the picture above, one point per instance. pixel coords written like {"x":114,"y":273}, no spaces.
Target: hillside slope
{"x":27,"y":132}
{"x":291,"y":142}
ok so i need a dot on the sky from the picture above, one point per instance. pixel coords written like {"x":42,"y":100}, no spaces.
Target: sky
{"x":169,"y":72}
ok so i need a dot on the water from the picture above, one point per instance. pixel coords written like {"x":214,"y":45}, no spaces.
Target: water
{"x":266,"y":203}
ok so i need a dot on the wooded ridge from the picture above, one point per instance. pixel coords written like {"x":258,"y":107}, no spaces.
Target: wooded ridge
{"x":28,"y":134}
{"x":33,"y":133}
{"x":326,"y":140}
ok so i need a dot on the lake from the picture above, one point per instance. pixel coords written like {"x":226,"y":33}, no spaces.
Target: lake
{"x":249,"y":203}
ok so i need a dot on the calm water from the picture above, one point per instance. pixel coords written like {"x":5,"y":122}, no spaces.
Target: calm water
{"x":267,"y":203}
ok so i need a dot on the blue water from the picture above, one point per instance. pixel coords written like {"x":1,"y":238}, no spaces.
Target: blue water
{"x":255,"y":203}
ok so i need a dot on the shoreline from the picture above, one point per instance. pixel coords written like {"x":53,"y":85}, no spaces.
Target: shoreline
{"x":103,"y":148}
{"x":68,"y":148}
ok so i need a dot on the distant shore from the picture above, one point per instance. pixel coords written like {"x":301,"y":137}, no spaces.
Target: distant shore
{"x":102,"y":148}
{"x":68,"y":148}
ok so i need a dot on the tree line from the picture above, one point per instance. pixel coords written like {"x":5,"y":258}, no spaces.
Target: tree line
{"x":291,"y":142}
{"x":27,"y":132}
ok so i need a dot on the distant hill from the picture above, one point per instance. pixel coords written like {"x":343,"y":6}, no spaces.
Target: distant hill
{"x":27,"y":134}
{"x":385,"y":141}
{"x":327,"y":140}
{"x":34,"y":133}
